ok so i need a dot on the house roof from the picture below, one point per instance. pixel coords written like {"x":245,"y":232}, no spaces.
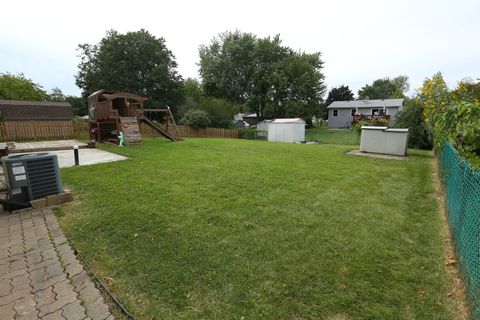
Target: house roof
{"x":376,"y":103}
{"x":35,"y":110}
{"x":288,"y":120}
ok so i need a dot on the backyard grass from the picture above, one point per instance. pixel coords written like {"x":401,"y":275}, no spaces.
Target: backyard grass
{"x":332,"y":136}
{"x":240,"y":229}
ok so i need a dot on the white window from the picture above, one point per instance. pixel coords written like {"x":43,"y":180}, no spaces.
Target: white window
{"x":335,"y":112}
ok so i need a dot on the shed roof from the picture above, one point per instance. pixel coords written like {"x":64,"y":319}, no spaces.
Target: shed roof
{"x":35,"y":110}
{"x":366,"y":104}
{"x":288,"y":120}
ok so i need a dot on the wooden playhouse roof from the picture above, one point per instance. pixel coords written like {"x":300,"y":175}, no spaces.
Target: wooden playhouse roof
{"x":110,"y":95}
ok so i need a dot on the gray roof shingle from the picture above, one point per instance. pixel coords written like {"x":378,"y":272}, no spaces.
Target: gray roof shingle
{"x":375,"y":103}
{"x":35,"y":110}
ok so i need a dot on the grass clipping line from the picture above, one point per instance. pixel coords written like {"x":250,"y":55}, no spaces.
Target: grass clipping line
{"x":461,"y":306}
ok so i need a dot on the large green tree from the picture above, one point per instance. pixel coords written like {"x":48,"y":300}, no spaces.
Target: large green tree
{"x":467,"y":90}
{"x":18,"y":87}
{"x":340,"y":93}
{"x":262,"y":75}
{"x":220,"y":111}
{"x":136,"y":62}
{"x":385,"y":88}
{"x":411,"y":117}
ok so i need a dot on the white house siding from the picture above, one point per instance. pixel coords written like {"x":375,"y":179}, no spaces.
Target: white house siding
{"x":365,"y":107}
{"x":392,"y":112}
{"x":343,"y":120}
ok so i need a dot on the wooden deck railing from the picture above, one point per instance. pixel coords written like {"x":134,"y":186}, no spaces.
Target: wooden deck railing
{"x":362,"y":117}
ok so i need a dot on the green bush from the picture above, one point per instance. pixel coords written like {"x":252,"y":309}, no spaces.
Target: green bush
{"x":196,"y":118}
{"x":374,"y":122}
{"x":461,"y":126}
{"x":220,"y":111}
{"x":411,"y":117}
{"x":250,"y":134}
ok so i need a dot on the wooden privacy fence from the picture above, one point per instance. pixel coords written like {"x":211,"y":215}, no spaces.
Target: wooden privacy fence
{"x":43,"y":130}
{"x":187,"y":131}
{"x":54,"y":130}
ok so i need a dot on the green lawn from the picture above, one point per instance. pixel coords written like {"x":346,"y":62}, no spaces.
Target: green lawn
{"x":240,"y":229}
{"x":332,"y":136}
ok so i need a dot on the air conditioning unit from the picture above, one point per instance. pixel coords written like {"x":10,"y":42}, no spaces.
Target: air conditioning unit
{"x":32,"y":176}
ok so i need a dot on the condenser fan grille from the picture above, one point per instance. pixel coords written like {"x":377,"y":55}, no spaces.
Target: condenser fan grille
{"x":42,"y":177}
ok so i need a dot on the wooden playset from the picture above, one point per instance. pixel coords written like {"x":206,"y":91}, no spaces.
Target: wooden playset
{"x":113,"y":112}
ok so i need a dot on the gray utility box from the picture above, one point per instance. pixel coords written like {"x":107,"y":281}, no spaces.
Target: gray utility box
{"x":37,"y":175}
{"x":384,"y":140}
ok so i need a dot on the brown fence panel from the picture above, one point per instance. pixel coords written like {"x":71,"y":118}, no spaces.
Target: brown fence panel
{"x":81,"y":130}
{"x":187,"y":131}
{"x":43,"y":130}
{"x":52,"y":130}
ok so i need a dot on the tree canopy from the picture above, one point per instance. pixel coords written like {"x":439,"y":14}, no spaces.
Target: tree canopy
{"x":135,"y":62}
{"x":263,"y":75}
{"x":385,"y":88}
{"x":18,"y":87}
{"x":340,"y":93}
{"x":435,"y":97}
{"x":467,"y":90}
{"x":196,"y":118}
{"x":220,"y":111}
{"x":411,"y":117}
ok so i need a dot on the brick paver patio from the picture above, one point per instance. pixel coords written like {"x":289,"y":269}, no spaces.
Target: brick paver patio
{"x":40,"y":277}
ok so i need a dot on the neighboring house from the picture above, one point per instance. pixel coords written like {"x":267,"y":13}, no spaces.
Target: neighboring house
{"x":263,"y":125}
{"x":340,"y":113}
{"x":14,"y":110}
{"x":240,"y":124}
{"x":262,"y":128}
{"x":286,"y":130}
{"x":250,"y":118}
{"x":35,"y":120}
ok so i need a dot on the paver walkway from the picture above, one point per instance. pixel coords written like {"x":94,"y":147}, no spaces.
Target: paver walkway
{"x":40,"y":277}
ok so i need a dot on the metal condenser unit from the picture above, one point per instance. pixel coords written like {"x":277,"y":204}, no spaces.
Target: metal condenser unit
{"x":32,"y":176}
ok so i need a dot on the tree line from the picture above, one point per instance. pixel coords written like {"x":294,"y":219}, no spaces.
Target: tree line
{"x":239,"y":72}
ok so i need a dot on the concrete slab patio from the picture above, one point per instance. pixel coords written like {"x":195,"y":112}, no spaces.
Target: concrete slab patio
{"x":376,"y":155}
{"x":40,"y":277}
{"x":86,"y":156}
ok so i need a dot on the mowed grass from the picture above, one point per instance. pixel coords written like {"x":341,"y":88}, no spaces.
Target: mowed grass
{"x":238,"y":229}
{"x":332,"y":136}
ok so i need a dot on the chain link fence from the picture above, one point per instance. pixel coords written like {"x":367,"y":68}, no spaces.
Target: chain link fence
{"x":462,"y":193}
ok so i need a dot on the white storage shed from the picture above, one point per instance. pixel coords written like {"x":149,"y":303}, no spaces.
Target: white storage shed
{"x":384,"y":140}
{"x":286,"y":130}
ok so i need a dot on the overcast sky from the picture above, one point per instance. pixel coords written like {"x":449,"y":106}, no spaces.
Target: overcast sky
{"x":360,"y":41}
